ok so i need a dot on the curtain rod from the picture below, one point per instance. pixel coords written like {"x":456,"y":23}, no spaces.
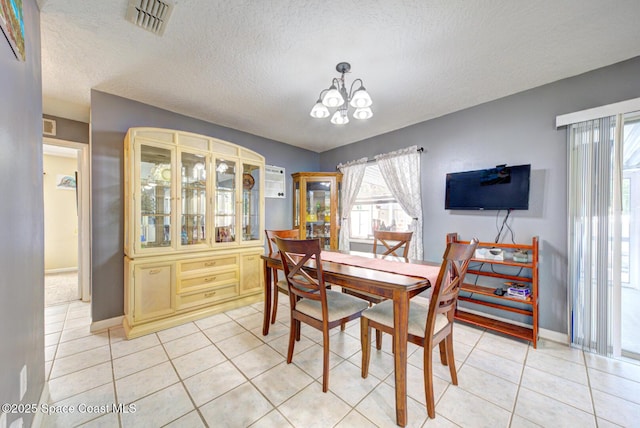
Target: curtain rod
{"x":419,"y":150}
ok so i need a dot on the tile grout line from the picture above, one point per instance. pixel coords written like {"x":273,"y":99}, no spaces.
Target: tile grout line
{"x":515,"y":399}
{"x":181,"y":381}
{"x":113,"y":376}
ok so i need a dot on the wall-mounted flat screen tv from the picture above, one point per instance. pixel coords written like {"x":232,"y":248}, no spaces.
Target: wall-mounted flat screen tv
{"x":500,"y":188}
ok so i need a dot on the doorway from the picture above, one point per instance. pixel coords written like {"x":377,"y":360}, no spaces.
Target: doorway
{"x":630,"y":237}
{"x":66,"y":211}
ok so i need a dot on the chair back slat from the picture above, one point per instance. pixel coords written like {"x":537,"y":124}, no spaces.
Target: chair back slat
{"x":392,"y":241}
{"x":285,"y":233}
{"x":295,"y":254}
{"x":452,"y":272}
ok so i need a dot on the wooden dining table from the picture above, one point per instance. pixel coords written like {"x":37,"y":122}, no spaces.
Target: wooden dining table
{"x":397,"y":287}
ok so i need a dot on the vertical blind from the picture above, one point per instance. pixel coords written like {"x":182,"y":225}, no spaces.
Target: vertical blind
{"x":595,"y":175}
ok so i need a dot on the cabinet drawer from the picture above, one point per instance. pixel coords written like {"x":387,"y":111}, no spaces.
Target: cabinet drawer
{"x":206,"y":281}
{"x":204,"y":297}
{"x":211,"y":263}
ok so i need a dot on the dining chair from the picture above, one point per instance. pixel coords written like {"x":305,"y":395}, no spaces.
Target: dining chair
{"x":429,"y":325}
{"x":279,"y":286}
{"x":392,"y":241}
{"x":310,"y":300}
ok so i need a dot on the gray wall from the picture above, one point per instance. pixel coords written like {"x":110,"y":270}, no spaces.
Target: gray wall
{"x":518,"y":129}
{"x":70,"y":130}
{"x":111,"y":117}
{"x":21,"y":214}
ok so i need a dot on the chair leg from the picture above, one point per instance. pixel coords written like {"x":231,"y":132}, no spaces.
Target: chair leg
{"x":443,"y":353}
{"x":325,"y":359}
{"x":451,"y":360}
{"x":293,"y":332}
{"x":298,"y":328}
{"x":365,"y":342}
{"x":342,"y":325}
{"x":274,"y":310}
{"x":428,"y":381}
{"x":378,"y":339}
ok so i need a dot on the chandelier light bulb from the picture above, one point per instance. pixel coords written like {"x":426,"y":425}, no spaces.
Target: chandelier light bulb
{"x":340,"y":118}
{"x":362,"y":113}
{"x":333,"y":98}
{"x":319,"y":111}
{"x":361,"y":98}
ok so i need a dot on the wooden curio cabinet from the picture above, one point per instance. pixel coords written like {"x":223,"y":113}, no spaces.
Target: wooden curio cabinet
{"x":316,"y":210}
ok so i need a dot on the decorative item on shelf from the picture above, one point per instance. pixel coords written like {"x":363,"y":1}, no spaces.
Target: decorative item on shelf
{"x":489,"y":254}
{"x":518,"y":293}
{"x":248,"y":181}
{"x":224,"y":234}
{"x":517,"y":290}
{"x":521,"y":256}
{"x":160,"y":172}
{"x":336,"y":96}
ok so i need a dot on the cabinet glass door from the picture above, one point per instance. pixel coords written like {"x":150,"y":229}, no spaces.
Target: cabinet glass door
{"x":193,"y":197}
{"x":250,"y":202}
{"x":225,"y":200}
{"x":155,"y":197}
{"x":319,"y":211}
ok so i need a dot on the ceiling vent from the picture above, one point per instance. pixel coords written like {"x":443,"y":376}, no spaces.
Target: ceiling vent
{"x":49,"y":127}
{"x":152,"y":15}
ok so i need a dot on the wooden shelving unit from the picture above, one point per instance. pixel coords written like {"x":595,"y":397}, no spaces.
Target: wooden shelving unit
{"x":486,"y":274}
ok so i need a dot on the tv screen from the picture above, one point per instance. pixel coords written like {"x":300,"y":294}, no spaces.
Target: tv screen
{"x":500,"y":188}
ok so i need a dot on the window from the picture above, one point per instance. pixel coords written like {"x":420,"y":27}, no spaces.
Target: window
{"x":376,"y":208}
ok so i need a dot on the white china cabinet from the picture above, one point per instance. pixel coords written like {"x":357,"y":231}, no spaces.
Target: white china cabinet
{"x":194,"y":212}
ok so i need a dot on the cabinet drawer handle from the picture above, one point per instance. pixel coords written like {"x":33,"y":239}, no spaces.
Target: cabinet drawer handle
{"x":210,"y":279}
{"x":209,"y":294}
{"x":210,"y":264}
{"x":154,"y":271}
{"x":251,"y":258}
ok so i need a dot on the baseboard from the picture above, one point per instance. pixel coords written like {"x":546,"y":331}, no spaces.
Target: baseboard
{"x":61,"y":270}
{"x":39,"y":418}
{"x":554,"y":336}
{"x":105,"y":324}
{"x":543,"y":333}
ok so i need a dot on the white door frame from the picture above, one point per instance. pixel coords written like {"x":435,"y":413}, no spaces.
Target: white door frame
{"x":84,"y":213}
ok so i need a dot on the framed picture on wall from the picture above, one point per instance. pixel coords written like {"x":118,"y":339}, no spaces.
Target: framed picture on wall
{"x":12,"y":24}
{"x":66,"y":182}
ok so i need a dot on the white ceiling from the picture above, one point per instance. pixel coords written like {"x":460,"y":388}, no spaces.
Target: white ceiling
{"x":259,"y":65}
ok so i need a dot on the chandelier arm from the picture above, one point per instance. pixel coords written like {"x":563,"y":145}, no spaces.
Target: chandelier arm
{"x":353,"y":83}
{"x":322,"y":93}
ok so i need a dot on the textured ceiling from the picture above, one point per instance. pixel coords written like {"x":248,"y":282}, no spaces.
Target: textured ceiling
{"x":259,"y":66}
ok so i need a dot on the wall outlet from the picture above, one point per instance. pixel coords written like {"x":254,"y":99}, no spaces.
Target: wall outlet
{"x":23,"y":382}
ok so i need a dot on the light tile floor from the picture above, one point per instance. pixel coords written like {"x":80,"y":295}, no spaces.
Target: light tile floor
{"x":221,"y":372}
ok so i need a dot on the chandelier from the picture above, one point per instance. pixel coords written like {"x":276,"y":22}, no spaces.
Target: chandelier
{"x":336,"y":96}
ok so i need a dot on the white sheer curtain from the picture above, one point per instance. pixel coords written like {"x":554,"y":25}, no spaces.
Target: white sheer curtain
{"x":352,"y":173}
{"x":401,"y":172}
{"x":595,"y":176}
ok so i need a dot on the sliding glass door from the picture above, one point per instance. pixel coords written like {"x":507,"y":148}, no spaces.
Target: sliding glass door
{"x":630,"y":237}
{"x":604,"y":234}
